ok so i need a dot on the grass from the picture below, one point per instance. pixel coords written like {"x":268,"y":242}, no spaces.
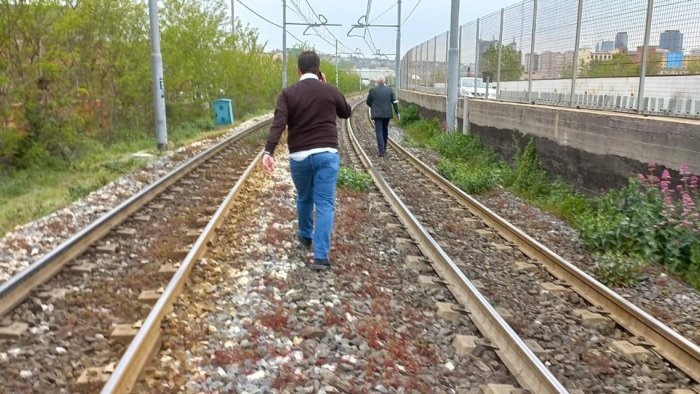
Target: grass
{"x":31,"y":193}
{"x":350,"y":179}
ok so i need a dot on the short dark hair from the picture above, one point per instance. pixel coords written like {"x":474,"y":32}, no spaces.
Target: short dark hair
{"x":309,"y":62}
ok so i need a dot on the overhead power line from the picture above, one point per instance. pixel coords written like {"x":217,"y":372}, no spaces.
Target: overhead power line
{"x":411,"y":13}
{"x":258,"y":15}
{"x":391,"y":7}
{"x":271,"y":22}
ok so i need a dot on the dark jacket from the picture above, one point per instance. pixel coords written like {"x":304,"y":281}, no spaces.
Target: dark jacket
{"x":309,"y":109}
{"x":381,"y":99}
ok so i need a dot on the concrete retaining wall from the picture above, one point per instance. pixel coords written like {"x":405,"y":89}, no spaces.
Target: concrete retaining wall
{"x":594,"y":150}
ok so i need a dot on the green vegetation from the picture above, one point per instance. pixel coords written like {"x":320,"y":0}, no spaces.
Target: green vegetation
{"x":615,"y":268}
{"x":350,"y":179}
{"x":511,"y":65}
{"x":75,"y":90}
{"x":32,"y":192}
{"x":621,"y":65}
{"x":651,"y":219}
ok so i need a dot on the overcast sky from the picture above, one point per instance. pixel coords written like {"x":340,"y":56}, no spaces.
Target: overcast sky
{"x":431,"y":17}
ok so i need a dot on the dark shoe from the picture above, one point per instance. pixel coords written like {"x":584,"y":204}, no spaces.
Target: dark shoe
{"x":321,"y":264}
{"x":305,"y":242}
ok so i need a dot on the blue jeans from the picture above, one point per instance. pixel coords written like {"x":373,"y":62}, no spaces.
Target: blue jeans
{"x":381,"y":126}
{"x":315,"y":179}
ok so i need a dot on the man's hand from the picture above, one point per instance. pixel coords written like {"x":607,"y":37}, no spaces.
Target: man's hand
{"x":321,"y":76}
{"x":398,"y":117}
{"x":268,"y":163}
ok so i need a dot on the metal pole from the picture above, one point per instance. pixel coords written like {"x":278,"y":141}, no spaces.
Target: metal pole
{"x":574,"y":69}
{"x":233,"y":19}
{"x":284,"y":44}
{"x":500,"y":50}
{"x":337,"y":76}
{"x":476,"y":56}
{"x":452,"y":71}
{"x":398,"y":49}
{"x":158,"y":82}
{"x":645,"y":55}
{"x":532,"y":52}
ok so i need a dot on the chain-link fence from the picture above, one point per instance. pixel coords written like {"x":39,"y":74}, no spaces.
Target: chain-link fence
{"x":634,"y":55}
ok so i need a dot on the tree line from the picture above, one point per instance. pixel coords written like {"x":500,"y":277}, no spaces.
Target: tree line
{"x":76,"y":72}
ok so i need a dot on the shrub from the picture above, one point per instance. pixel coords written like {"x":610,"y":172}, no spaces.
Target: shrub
{"x":529,"y":179}
{"x":354,"y":180}
{"x":616,"y":269}
{"x":620,"y":219}
{"x":10,"y":144}
{"x":421,"y":132}
{"x":652,"y":218}
{"x":409,"y":115}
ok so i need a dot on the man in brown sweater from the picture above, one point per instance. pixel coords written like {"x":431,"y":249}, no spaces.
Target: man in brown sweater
{"x":309,"y":109}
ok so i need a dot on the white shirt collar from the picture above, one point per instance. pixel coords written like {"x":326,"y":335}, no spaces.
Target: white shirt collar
{"x":308,"y":76}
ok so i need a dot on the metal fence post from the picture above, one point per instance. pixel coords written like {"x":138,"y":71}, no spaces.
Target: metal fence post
{"x":532,"y":52}
{"x":645,"y":56}
{"x":574,"y":69}
{"x":459,"y":56}
{"x":434,"y":62}
{"x":476,"y":56}
{"x":500,"y":54}
{"x":420,"y":67}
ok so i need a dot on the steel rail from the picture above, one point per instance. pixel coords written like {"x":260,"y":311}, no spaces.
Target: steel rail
{"x":527,"y":369}
{"x":144,"y":344}
{"x":18,"y":287}
{"x":671,"y":345}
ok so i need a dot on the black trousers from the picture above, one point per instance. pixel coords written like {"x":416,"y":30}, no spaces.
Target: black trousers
{"x":381,"y":126}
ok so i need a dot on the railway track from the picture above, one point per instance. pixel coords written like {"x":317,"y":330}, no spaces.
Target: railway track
{"x":452,"y":238}
{"x":568,"y":319}
{"x":60,"y":315}
{"x":222,"y":360}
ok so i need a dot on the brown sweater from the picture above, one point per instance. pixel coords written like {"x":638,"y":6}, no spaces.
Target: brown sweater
{"x":309,"y":109}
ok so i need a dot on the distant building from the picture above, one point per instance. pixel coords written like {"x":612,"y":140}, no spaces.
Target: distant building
{"x":674,"y":60}
{"x":484,"y":46}
{"x":652,"y":51}
{"x":602,"y":56}
{"x":671,"y":40}
{"x":621,"y":41}
{"x":535,"y":62}
{"x":513,"y":45}
{"x":552,"y":64}
{"x":605,"y":46}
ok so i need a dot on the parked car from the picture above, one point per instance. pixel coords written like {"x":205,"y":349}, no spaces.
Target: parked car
{"x":466,"y":89}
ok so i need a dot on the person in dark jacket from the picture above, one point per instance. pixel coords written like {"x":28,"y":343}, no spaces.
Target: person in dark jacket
{"x":380,"y":99}
{"x":308,"y":109}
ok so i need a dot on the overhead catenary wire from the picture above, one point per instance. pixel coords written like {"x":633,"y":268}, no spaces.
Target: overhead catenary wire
{"x":391,"y":7}
{"x":296,"y":8}
{"x":411,"y":13}
{"x":272,"y":23}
